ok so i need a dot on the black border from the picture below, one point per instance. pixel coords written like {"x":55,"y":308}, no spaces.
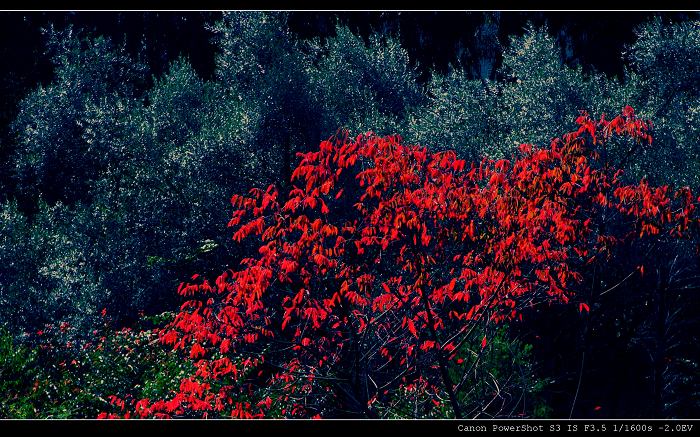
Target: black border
{"x":356,"y":5}
{"x":431,"y":427}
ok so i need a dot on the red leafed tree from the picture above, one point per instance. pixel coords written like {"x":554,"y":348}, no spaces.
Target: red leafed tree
{"x":382,"y":258}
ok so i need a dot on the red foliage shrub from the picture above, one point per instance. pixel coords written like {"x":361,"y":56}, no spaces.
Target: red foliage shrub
{"x":382,"y":258}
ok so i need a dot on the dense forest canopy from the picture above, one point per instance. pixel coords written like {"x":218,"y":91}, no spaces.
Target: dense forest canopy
{"x":124,"y":136}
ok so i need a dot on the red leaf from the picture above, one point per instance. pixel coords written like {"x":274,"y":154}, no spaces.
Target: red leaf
{"x":584,"y":306}
{"x":225,"y":345}
{"x":412,"y":328}
{"x":197,"y":351}
{"x":427,"y":345}
{"x":285,"y":321}
{"x":483,"y":342}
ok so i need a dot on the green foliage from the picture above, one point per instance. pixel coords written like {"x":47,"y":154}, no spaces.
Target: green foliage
{"x":363,"y":86}
{"x":161,"y":189}
{"x":260,"y":63}
{"x":539,"y":90}
{"x":183,"y":153}
{"x":499,"y":380}
{"x":68,"y":286}
{"x":664,"y":82}
{"x":18,"y":373}
{"x":462,"y":114}
{"x":52,"y":374}
{"x":76,"y":127}
{"x":51,"y":267}
{"x":18,"y":258}
{"x":535,"y":97}
{"x":502,"y":380}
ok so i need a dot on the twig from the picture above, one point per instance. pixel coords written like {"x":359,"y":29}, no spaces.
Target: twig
{"x":618,"y":284}
{"x":578,"y":386}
